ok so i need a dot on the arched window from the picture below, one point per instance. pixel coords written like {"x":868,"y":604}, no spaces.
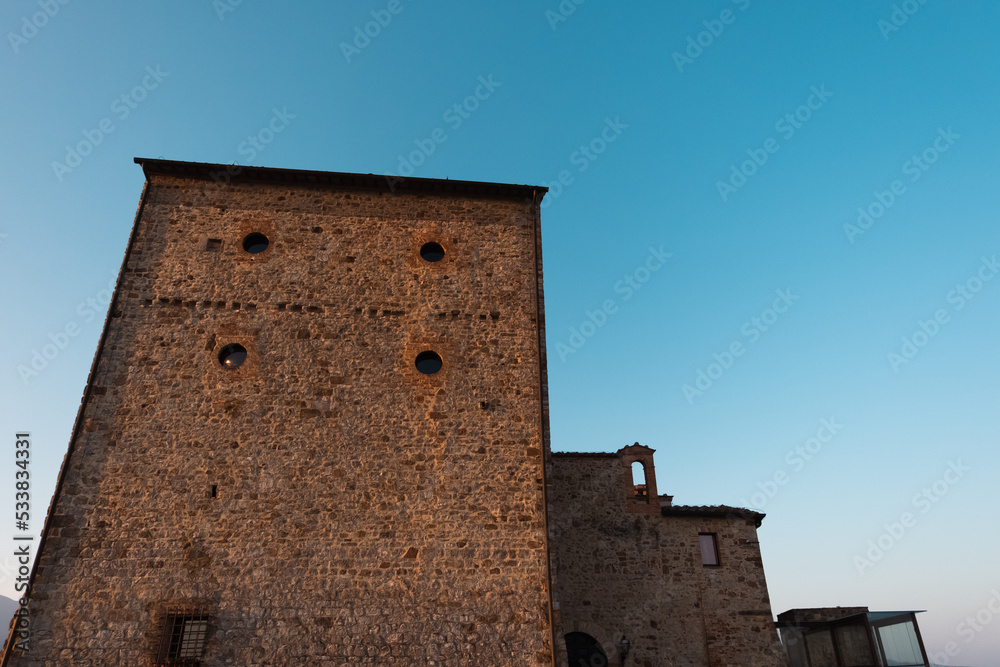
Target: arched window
{"x":585,"y":651}
{"x":639,"y":481}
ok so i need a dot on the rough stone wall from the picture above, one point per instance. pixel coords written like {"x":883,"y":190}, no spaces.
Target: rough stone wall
{"x":364,"y":513}
{"x":641,"y":575}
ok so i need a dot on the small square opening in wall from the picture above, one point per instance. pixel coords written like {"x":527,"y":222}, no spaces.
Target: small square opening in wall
{"x":213,"y":245}
{"x":709,"y":549}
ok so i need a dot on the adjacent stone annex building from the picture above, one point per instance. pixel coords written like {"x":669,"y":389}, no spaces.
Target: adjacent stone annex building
{"x":316,"y":433}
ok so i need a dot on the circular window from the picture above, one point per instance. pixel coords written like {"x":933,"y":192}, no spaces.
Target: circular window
{"x":432,"y":252}
{"x":255,"y":243}
{"x":233,"y":355}
{"x":429,"y":362}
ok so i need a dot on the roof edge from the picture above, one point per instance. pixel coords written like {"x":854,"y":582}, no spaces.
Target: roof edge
{"x":224,"y":174}
{"x":722,"y":511}
{"x":589,"y":455}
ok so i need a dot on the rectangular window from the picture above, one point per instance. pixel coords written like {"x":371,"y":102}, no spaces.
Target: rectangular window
{"x":184,"y":639}
{"x":709,"y":549}
{"x":900,"y":645}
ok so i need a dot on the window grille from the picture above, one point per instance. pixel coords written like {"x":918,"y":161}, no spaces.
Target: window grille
{"x":185,"y":636}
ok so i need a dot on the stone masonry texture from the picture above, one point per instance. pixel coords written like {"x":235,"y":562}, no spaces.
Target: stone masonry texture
{"x":363,"y":513}
{"x":326,"y":503}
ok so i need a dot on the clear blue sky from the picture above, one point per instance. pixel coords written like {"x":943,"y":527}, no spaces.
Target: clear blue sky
{"x":646,"y":138}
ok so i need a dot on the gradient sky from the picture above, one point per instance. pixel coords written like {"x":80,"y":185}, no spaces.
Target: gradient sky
{"x":642,"y":111}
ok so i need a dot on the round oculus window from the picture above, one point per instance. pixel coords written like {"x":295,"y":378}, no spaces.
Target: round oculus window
{"x":232,"y":355}
{"x":429,"y":362}
{"x":255,"y":243}
{"x":432,"y":252}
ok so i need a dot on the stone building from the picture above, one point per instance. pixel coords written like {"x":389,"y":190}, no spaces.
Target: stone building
{"x":316,"y":433}
{"x":683,"y":585}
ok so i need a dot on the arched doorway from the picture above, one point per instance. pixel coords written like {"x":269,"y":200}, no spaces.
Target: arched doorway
{"x":585,"y":651}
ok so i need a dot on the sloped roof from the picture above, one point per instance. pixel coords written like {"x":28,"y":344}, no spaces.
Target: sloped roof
{"x":721,"y":511}
{"x":383,"y":183}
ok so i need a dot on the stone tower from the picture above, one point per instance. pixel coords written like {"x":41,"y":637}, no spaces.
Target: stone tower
{"x":313,"y":433}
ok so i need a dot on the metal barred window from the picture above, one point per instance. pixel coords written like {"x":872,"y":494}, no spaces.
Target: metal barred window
{"x":185,"y":636}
